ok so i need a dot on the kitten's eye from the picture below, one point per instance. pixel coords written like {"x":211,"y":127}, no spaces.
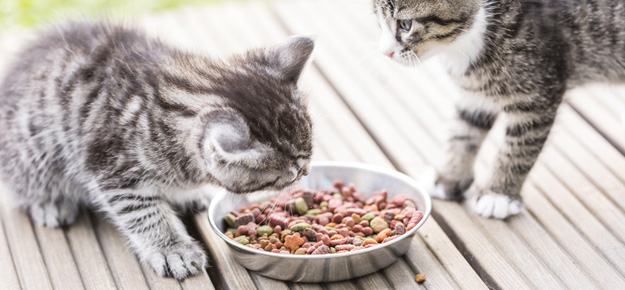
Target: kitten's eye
{"x":405,"y":25}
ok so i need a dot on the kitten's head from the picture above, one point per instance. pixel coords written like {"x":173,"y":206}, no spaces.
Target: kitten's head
{"x":261,"y":139}
{"x":417,"y":29}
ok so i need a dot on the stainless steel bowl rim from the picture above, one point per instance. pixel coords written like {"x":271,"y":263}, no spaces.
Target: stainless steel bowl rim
{"x":426,"y":213}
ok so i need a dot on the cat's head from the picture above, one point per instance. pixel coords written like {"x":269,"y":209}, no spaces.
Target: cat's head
{"x":261,"y":139}
{"x":413,"y":30}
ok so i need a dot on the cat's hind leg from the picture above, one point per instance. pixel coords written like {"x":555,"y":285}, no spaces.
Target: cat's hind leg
{"x":474,"y":119}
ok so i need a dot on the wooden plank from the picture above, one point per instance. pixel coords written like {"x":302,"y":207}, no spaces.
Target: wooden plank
{"x":8,"y":274}
{"x":609,"y":126}
{"x":58,"y":257}
{"x":372,"y":281}
{"x":592,"y":199}
{"x":421,"y":259}
{"x":88,"y":255}
{"x":595,"y":265}
{"x":27,"y":258}
{"x":400,"y":276}
{"x":124,"y":265}
{"x":577,"y":133}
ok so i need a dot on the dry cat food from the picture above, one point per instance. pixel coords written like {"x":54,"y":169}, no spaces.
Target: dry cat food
{"x":313,"y":222}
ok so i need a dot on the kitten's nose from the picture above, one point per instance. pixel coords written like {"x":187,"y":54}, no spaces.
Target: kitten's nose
{"x":389,"y":53}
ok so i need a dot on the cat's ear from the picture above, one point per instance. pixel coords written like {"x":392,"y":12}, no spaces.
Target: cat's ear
{"x":291,"y":57}
{"x":227,"y":139}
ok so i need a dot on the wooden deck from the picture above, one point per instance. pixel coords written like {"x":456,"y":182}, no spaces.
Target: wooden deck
{"x":571,"y":234}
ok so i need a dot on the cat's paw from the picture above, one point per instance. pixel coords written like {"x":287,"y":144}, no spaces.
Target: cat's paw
{"x":443,"y":188}
{"x":495,"y":205}
{"x":179,"y":260}
{"x":54,"y":214}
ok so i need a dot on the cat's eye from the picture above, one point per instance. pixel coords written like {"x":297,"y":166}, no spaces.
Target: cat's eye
{"x":405,"y":25}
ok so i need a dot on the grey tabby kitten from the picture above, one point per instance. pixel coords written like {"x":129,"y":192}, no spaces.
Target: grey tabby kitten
{"x":510,"y":57}
{"x":101,"y":115}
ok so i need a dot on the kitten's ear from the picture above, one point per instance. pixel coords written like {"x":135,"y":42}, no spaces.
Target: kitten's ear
{"x":291,"y":57}
{"x":228,"y":138}
{"x":227,"y":132}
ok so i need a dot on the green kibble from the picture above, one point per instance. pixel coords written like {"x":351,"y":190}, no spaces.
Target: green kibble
{"x":338,"y":196}
{"x":242,"y":240}
{"x":314,"y":211}
{"x":230,"y":219}
{"x":332,"y":250}
{"x":361,"y":238}
{"x":301,"y":206}
{"x":367,"y":217}
{"x":378,"y":224}
{"x":299,"y":227}
{"x":264,"y":230}
{"x":330,"y":229}
{"x":323,"y":204}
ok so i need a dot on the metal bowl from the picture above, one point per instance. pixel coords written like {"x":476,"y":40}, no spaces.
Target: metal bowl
{"x":331,"y":267}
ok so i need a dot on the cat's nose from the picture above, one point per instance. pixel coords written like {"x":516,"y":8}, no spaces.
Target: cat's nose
{"x":389,"y":53}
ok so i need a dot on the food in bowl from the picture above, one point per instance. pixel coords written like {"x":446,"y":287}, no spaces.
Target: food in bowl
{"x":315,"y":222}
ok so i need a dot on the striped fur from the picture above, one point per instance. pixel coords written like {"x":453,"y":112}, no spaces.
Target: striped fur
{"x":97,"y":113}
{"x":511,"y":57}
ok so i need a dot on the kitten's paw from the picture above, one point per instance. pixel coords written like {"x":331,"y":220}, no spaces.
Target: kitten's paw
{"x":54,"y":214}
{"x":178,"y":260}
{"x":495,"y":205}
{"x":443,"y":188}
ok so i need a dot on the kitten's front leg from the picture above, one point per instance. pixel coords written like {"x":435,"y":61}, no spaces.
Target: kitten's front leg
{"x":528,"y":126}
{"x":475,"y":117}
{"x":154,"y":231}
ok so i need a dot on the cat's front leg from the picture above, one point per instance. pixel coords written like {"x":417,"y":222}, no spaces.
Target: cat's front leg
{"x":155,"y":233}
{"x":475,"y":117}
{"x":528,"y":126}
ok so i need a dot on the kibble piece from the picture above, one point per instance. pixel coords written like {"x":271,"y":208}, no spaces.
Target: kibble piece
{"x":299,"y":227}
{"x":229,"y":218}
{"x":368,"y":217}
{"x":378,"y":224}
{"x":323,"y":249}
{"x":314,"y":211}
{"x":293,"y":242}
{"x":243,"y":219}
{"x":301,"y":206}
{"x":242,"y":240}
{"x":419,"y":278}
{"x":264,"y":230}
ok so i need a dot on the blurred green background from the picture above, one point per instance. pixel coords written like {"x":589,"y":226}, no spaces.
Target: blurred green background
{"x":24,"y":13}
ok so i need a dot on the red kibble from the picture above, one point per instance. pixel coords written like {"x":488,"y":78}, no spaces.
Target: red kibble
{"x":349,"y":221}
{"x":414,"y":220}
{"x":364,"y":223}
{"x":337,"y":218}
{"x":357,"y":228}
{"x":367,"y":231}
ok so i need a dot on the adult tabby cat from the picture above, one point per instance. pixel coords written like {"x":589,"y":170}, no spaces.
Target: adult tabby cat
{"x":97,"y":113}
{"x":512,"y":57}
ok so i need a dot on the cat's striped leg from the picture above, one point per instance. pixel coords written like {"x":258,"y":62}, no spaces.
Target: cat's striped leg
{"x":154,"y":231}
{"x":527,"y":129}
{"x":475,"y":117}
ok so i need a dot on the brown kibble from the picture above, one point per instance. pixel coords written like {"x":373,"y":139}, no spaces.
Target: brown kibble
{"x":294,"y":241}
{"x":369,"y":242}
{"x":419,"y":278}
{"x":336,"y":237}
{"x":383,"y":235}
